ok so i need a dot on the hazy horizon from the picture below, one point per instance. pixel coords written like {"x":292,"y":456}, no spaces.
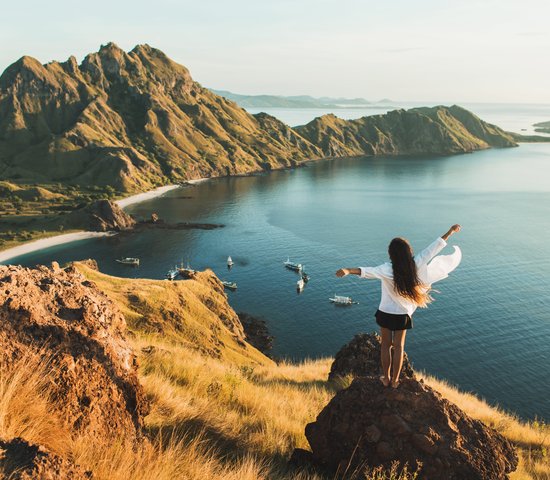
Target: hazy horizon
{"x":434,"y":52}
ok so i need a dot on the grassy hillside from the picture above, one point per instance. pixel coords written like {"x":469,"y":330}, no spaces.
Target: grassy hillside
{"x":220,"y":409}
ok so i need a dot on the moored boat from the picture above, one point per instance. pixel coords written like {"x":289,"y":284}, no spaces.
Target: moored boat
{"x":341,"y":300}
{"x":229,"y":262}
{"x":293,"y":266}
{"x":300,"y":284}
{"x":186,"y":272}
{"x":129,"y":261}
{"x":229,"y":285}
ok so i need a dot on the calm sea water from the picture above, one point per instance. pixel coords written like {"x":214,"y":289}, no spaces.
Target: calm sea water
{"x":489,"y":328}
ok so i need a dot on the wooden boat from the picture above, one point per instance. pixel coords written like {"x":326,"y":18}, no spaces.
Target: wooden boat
{"x":129,"y":261}
{"x":341,"y":300}
{"x":297,"y":267}
{"x":229,"y":285}
{"x":186,"y":272}
{"x":229,"y":262}
{"x":172,"y":273}
{"x":300,"y":284}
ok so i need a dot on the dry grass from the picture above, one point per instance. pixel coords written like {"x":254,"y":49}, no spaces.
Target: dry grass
{"x":230,"y":417}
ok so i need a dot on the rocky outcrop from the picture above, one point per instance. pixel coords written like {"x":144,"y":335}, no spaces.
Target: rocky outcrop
{"x":93,"y":373}
{"x":361,"y":357}
{"x":21,"y":460}
{"x":256,"y":332}
{"x":101,"y":216}
{"x":368,"y":425}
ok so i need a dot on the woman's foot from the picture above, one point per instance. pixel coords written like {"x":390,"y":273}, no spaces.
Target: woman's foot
{"x":385,"y":380}
{"x":394,"y":384}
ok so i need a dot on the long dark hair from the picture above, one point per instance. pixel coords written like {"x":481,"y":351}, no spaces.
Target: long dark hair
{"x":405,"y":278}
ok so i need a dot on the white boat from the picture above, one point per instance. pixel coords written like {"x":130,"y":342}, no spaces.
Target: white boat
{"x":229,"y":262}
{"x":129,"y":261}
{"x":300,"y":284}
{"x":341,"y":300}
{"x":172,"y":273}
{"x":293,"y":266}
{"x":229,"y":285}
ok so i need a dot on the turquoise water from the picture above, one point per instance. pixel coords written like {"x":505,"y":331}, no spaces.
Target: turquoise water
{"x":489,"y":328}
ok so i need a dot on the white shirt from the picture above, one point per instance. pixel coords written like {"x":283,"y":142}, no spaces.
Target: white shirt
{"x":428,"y":273}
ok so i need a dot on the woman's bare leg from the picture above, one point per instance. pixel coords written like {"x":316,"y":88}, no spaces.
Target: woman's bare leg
{"x":398,"y":353}
{"x":385,"y":355}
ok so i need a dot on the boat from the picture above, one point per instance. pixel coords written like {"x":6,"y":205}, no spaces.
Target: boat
{"x":293,"y":266}
{"x":229,"y":285}
{"x":341,"y":300}
{"x":186,"y":272}
{"x":129,"y":261}
{"x":300,"y":284}
{"x":305,"y":277}
{"x":229,"y":262}
{"x":172,"y":273}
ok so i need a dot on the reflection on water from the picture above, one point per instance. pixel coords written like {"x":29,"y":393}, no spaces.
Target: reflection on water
{"x":487,"y":331}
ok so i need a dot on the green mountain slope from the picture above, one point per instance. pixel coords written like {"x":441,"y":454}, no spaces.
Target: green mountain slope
{"x":130,"y":120}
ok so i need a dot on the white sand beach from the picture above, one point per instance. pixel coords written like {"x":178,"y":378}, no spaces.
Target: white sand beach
{"x":48,"y":242}
{"x":141,"y":197}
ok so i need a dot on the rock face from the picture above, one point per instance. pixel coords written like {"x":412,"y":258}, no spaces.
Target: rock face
{"x":102,"y":216}
{"x":256,"y":332}
{"x":93,"y":370}
{"x":368,"y":424}
{"x":23,"y":461}
{"x":361,"y":357}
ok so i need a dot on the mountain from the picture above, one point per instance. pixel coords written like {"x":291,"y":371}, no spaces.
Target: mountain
{"x":295,"y":101}
{"x":434,"y":130}
{"x":130,"y":120}
{"x":542,"y":127}
{"x":126,"y":122}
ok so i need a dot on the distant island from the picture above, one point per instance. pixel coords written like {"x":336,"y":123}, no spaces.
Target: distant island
{"x":127,"y":122}
{"x":542,"y":127}
{"x":298,"y":101}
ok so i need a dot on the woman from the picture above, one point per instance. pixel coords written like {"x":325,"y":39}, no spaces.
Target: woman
{"x":406,"y":282}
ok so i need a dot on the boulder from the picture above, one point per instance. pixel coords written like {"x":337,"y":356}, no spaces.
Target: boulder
{"x":59,"y":314}
{"x":102,"y":216}
{"x":21,"y":460}
{"x":361,"y":357}
{"x":369,"y":425}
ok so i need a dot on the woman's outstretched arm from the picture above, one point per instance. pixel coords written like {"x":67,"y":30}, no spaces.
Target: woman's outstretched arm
{"x":348,"y":271}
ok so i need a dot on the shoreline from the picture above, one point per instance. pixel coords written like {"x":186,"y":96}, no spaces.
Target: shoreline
{"x":47,"y":242}
{"x":42,"y":243}
{"x":142,"y":197}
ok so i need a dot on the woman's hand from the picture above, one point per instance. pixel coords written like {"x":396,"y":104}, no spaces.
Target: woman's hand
{"x":454,"y":229}
{"x":342,"y":272}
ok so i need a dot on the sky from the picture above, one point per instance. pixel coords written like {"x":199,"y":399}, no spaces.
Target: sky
{"x":408,"y":50}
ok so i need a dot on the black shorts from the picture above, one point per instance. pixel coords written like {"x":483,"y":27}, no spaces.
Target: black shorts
{"x":391,"y":321}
